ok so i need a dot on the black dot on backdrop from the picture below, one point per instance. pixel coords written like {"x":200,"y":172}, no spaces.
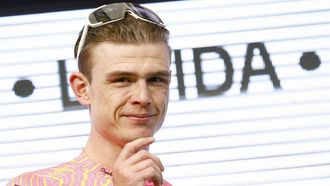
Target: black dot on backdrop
{"x":310,"y":61}
{"x":23,"y":88}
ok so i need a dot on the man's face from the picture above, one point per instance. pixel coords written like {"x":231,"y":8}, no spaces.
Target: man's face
{"x":129,"y":91}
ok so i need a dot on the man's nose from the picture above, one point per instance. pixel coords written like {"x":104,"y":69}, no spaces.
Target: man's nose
{"x":141,"y":93}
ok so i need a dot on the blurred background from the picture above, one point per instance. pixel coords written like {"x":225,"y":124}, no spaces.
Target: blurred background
{"x":250,"y":92}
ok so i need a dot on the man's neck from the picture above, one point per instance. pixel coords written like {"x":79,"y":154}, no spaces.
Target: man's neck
{"x":101,"y":150}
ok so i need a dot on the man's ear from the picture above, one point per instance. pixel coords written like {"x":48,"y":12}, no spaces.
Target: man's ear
{"x":81,"y":88}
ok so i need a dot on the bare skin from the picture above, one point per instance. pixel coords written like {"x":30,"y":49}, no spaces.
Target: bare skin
{"x":135,"y":165}
{"x":127,"y":101}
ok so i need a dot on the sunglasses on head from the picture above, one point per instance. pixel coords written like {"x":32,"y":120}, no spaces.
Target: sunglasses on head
{"x":114,"y":12}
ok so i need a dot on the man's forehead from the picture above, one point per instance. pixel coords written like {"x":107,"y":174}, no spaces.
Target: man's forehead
{"x":131,"y":50}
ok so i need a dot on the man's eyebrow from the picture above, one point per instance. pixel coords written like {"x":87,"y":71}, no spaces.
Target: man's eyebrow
{"x":160,"y":73}
{"x":119,"y":73}
{"x":125,"y":73}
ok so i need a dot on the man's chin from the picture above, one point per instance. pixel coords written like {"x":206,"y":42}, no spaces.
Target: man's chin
{"x":129,"y":139}
{"x":138,"y":136}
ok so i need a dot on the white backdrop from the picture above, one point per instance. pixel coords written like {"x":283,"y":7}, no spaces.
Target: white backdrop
{"x":227,"y":124}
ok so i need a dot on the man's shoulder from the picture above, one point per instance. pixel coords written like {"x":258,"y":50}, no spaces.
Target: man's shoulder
{"x":47,"y":176}
{"x":29,"y":179}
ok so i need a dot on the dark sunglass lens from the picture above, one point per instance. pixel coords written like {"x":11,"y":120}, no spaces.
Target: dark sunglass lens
{"x":107,"y":14}
{"x":145,"y":13}
{"x":100,"y":16}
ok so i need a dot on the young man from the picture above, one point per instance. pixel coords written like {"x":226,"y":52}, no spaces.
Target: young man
{"x":124,"y":74}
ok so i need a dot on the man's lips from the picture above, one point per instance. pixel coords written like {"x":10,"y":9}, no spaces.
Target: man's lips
{"x":139,"y":117}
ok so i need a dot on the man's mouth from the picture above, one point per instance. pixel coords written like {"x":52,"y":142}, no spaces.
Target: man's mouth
{"x":139,"y":117}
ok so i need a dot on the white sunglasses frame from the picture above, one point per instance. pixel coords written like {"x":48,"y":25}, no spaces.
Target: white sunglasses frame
{"x":89,"y":24}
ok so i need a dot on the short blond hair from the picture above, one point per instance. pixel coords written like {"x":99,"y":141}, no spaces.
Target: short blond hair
{"x":126,"y":31}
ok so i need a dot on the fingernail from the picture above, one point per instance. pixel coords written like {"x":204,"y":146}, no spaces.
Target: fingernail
{"x":152,"y":138}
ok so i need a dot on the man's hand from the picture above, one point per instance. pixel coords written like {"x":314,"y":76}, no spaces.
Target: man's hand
{"x":135,"y":165}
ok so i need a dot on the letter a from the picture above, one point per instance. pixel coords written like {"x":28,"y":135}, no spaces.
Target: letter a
{"x":248,"y":71}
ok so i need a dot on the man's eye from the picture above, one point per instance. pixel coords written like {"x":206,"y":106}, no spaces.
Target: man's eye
{"x":120,"y":80}
{"x":157,"y":80}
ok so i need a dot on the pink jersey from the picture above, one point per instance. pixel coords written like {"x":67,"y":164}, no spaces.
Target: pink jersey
{"x":79,"y":171}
